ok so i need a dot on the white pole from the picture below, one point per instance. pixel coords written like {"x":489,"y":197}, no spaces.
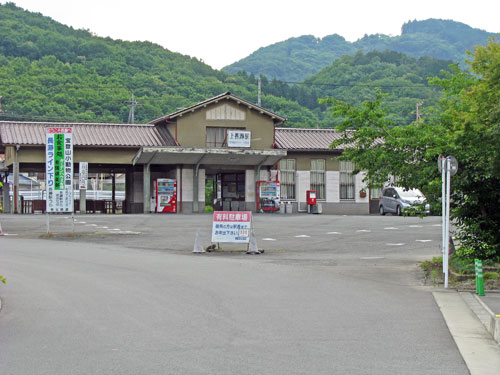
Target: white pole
{"x":443,"y":210}
{"x":448,"y":191}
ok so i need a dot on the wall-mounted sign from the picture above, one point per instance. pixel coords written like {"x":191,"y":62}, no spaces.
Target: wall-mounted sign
{"x":83,"y":175}
{"x":231,"y":226}
{"x":59,"y":169}
{"x":238,"y":138}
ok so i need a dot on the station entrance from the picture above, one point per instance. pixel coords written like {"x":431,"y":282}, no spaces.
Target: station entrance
{"x":225,"y":191}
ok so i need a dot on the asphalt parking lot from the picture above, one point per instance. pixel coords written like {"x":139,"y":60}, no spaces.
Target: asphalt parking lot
{"x":399,"y":237}
{"x":125,"y":294}
{"x":394,"y":243}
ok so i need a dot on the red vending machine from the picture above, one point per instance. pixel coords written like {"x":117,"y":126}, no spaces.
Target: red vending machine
{"x":166,"y":195}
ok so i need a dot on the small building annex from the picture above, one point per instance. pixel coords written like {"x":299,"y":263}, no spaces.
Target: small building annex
{"x":216,"y":150}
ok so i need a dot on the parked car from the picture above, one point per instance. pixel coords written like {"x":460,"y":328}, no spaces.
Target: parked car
{"x":396,"y":200}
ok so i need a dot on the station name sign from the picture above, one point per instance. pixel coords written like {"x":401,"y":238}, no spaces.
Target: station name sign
{"x":239,"y":138}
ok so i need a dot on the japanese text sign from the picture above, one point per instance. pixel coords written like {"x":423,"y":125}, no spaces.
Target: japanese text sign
{"x":83,"y":175}
{"x":59,"y":169}
{"x":238,"y":138}
{"x":231,"y":226}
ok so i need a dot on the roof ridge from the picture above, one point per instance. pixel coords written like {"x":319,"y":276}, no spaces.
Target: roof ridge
{"x":72,"y":123}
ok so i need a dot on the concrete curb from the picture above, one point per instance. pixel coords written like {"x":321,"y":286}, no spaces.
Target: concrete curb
{"x":494,"y":322}
{"x":478,"y":349}
{"x":483,"y":313}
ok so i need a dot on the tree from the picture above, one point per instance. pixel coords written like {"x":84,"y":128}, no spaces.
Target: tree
{"x":466,"y":124}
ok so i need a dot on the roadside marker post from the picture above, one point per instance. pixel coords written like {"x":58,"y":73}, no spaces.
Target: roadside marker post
{"x":479,"y":277}
{"x":1,"y":231}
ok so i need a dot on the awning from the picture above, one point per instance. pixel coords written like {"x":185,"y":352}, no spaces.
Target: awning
{"x":207,"y":156}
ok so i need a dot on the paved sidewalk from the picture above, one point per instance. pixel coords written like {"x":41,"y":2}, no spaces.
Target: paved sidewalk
{"x":478,"y":348}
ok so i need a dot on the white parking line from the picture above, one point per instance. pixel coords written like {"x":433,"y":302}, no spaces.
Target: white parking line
{"x":423,"y":240}
{"x":436,"y":225}
{"x":333,"y":233}
{"x":372,"y":258}
{"x":363,"y":231}
{"x":115,"y":229}
{"x":302,"y":236}
{"x":391,"y":228}
{"x":415,"y":226}
{"x":268,"y":239}
{"x":91,"y":225}
{"x":395,"y":244}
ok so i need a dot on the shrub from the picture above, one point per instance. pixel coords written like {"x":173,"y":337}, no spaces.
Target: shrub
{"x":491,"y":276}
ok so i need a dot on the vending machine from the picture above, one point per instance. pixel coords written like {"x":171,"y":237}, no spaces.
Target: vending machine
{"x":166,"y":195}
{"x":268,"y":195}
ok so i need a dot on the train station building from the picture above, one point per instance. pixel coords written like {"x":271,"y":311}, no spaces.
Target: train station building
{"x":222,"y":152}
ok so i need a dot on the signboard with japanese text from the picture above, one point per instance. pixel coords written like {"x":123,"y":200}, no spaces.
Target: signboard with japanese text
{"x":238,"y":138}
{"x":59,"y":169}
{"x":83,"y":170}
{"x":231,"y":226}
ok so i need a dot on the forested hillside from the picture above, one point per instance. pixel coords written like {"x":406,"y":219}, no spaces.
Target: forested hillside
{"x":51,"y":71}
{"x":295,"y":59}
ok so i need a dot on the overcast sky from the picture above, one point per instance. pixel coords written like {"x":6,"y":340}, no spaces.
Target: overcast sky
{"x":225,"y":31}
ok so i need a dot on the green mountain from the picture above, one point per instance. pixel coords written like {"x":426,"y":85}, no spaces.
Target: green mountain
{"x":49,"y":71}
{"x":295,"y":59}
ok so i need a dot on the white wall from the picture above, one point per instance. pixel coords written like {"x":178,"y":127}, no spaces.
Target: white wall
{"x":249,"y":185}
{"x":187,"y":184}
{"x":303,"y":183}
{"x":359,"y":184}
{"x":332,"y":186}
{"x":201,"y":185}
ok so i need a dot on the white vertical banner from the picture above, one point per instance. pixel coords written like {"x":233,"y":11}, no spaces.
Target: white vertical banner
{"x":59,"y":169}
{"x":83,"y":175}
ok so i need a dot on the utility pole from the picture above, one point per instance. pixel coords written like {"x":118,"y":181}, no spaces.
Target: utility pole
{"x":259,"y":92}
{"x":418,"y":110}
{"x":133,"y":103}
{"x":1,"y":103}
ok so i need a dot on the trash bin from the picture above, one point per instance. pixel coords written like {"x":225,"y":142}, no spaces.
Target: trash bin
{"x":288,"y":208}
{"x":282,"y":207}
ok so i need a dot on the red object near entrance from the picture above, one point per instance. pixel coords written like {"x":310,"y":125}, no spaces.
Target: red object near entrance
{"x":311,"y":197}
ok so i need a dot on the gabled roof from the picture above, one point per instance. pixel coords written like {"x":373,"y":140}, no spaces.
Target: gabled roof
{"x":87,"y":134}
{"x":306,"y":139}
{"x":226,"y":96}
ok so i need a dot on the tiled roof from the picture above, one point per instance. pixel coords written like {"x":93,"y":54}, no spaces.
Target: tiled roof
{"x":306,"y":139}
{"x":87,"y":134}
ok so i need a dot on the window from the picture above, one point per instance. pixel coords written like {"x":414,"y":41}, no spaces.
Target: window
{"x":346,"y":180}
{"x":318,"y":177}
{"x":376,"y":193}
{"x":216,"y":137}
{"x":287,"y":179}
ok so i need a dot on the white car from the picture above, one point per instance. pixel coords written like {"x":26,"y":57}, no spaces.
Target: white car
{"x":395,"y":200}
